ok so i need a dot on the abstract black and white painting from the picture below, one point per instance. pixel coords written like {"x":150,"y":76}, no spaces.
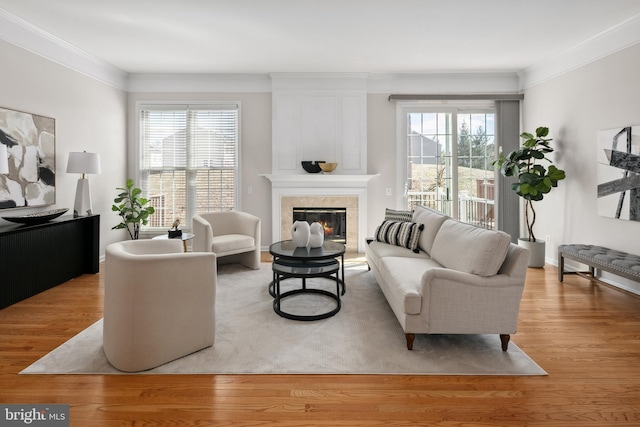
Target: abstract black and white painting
{"x":618,"y":166}
{"x":31,"y":142}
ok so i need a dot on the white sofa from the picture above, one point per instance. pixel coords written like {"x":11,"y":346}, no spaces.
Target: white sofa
{"x":460,"y":279}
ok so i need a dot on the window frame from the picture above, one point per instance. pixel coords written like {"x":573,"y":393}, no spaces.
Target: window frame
{"x":136,"y":166}
{"x":430,"y":107}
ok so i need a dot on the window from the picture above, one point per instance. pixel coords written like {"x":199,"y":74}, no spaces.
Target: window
{"x":447,"y":155}
{"x":188,"y":160}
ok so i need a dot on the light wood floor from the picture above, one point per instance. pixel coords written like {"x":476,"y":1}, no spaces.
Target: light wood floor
{"x":586,"y":336}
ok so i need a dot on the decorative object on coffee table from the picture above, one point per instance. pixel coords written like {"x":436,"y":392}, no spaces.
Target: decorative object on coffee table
{"x":316,"y":238}
{"x":300,"y":233}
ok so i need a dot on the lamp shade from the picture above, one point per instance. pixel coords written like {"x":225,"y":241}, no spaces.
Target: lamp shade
{"x":83,"y":162}
{"x":4,"y":160}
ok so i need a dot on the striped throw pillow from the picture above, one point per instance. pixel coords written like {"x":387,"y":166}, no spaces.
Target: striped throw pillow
{"x":400,"y":233}
{"x":393,"y":215}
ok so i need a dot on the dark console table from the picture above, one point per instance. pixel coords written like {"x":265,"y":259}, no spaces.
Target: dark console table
{"x":34,"y":258}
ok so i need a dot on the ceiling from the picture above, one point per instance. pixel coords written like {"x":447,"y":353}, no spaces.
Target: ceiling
{"x":323,"y":36}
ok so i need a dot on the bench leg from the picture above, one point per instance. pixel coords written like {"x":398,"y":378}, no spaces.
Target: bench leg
{"x":560,"y":267}
{"x":504,"y":338}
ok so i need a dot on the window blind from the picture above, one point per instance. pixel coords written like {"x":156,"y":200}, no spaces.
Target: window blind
{"x":188,"y":160}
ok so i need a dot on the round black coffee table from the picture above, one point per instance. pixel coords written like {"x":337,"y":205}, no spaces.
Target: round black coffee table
{"x":290,"y":261}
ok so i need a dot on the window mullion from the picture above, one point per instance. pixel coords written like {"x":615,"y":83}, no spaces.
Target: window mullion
{"x":454,"y":165}
{"x":191,"y":178}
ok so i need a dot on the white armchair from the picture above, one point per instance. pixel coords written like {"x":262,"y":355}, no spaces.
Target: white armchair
{"x":159,"y":303}
{"x":233,"y":236}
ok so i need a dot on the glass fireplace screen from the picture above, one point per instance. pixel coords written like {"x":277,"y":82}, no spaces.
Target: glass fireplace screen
{"x":333,"y":220}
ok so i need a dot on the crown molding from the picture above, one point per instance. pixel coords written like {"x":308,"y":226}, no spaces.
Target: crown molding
{"x":198,"y":83}
{"x":612,"y":40}
{"x":27,"y":36}
{"x":319,"y":81}
{"x":444,"y":83}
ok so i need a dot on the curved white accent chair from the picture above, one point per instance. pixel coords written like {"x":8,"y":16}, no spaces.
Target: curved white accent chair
{"x":233,"y":236}
{"x":159,"y":303}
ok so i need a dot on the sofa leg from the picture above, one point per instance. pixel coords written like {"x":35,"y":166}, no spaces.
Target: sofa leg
{"x":410,"y":338}
{"x":504,"y":338}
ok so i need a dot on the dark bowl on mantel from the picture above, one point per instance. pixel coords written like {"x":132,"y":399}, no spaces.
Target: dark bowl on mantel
{"x":312,"y":166}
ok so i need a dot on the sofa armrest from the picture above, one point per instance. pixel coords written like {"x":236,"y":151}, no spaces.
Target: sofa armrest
{"x":203,"y":235}
{"x":457,"y":302}
{"x":437,"y":275}
{"x":248,"y":225}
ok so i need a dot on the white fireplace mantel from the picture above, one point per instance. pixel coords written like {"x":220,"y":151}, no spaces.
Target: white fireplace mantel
{"x":303,"y":185}
{"x":319,"y":180}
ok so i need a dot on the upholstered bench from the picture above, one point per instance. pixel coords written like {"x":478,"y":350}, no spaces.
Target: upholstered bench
{"x":616,"y":262}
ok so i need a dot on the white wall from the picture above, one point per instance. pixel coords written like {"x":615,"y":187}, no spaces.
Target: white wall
{"x":381,"y":157}
{"x":89,"y":115}
{"x":575,"y":106}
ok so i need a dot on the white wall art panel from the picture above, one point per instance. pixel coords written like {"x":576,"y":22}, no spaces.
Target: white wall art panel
{"x":285,"y":136}
{"x":354,"y":155}
{"x":318,"y":118}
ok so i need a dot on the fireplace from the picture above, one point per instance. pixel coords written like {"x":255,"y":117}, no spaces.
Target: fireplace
{"x":320,"y":191}
{"x":333,"y":220}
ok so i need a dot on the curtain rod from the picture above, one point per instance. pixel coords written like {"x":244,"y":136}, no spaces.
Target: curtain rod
{"x":444,"y":97}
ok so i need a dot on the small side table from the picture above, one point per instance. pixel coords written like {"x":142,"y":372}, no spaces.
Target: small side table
{"x":184,"y":238}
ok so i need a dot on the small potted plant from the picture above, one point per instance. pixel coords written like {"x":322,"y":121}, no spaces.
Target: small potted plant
{"x":534,"y":181}
{"x":132,"y":210}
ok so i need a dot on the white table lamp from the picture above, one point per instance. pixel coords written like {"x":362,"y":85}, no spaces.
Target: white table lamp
{"x":4,"y":160}
{"x":84,"y":163}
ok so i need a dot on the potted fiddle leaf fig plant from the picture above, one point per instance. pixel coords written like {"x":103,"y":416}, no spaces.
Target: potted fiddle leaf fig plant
{"x":534,"y":181}
{"x":132,"y":209}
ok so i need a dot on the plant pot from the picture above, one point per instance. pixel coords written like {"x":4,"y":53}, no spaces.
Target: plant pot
{"x":536,"y":252}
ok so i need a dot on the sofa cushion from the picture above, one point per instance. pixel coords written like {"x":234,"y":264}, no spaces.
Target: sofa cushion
{"x":403,"y":277}
{"x":393,"y":215}
{"x":232,"y":243}
{"x":382,"y":250}
{"x":399,"y":233}
{"x":432,"y":221}
{"x":470,"y":249}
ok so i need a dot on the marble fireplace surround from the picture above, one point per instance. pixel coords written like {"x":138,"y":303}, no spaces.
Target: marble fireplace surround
{"x":320,"y":190}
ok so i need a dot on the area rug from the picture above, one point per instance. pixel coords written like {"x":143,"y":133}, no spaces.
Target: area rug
{"x":364,"y":337}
